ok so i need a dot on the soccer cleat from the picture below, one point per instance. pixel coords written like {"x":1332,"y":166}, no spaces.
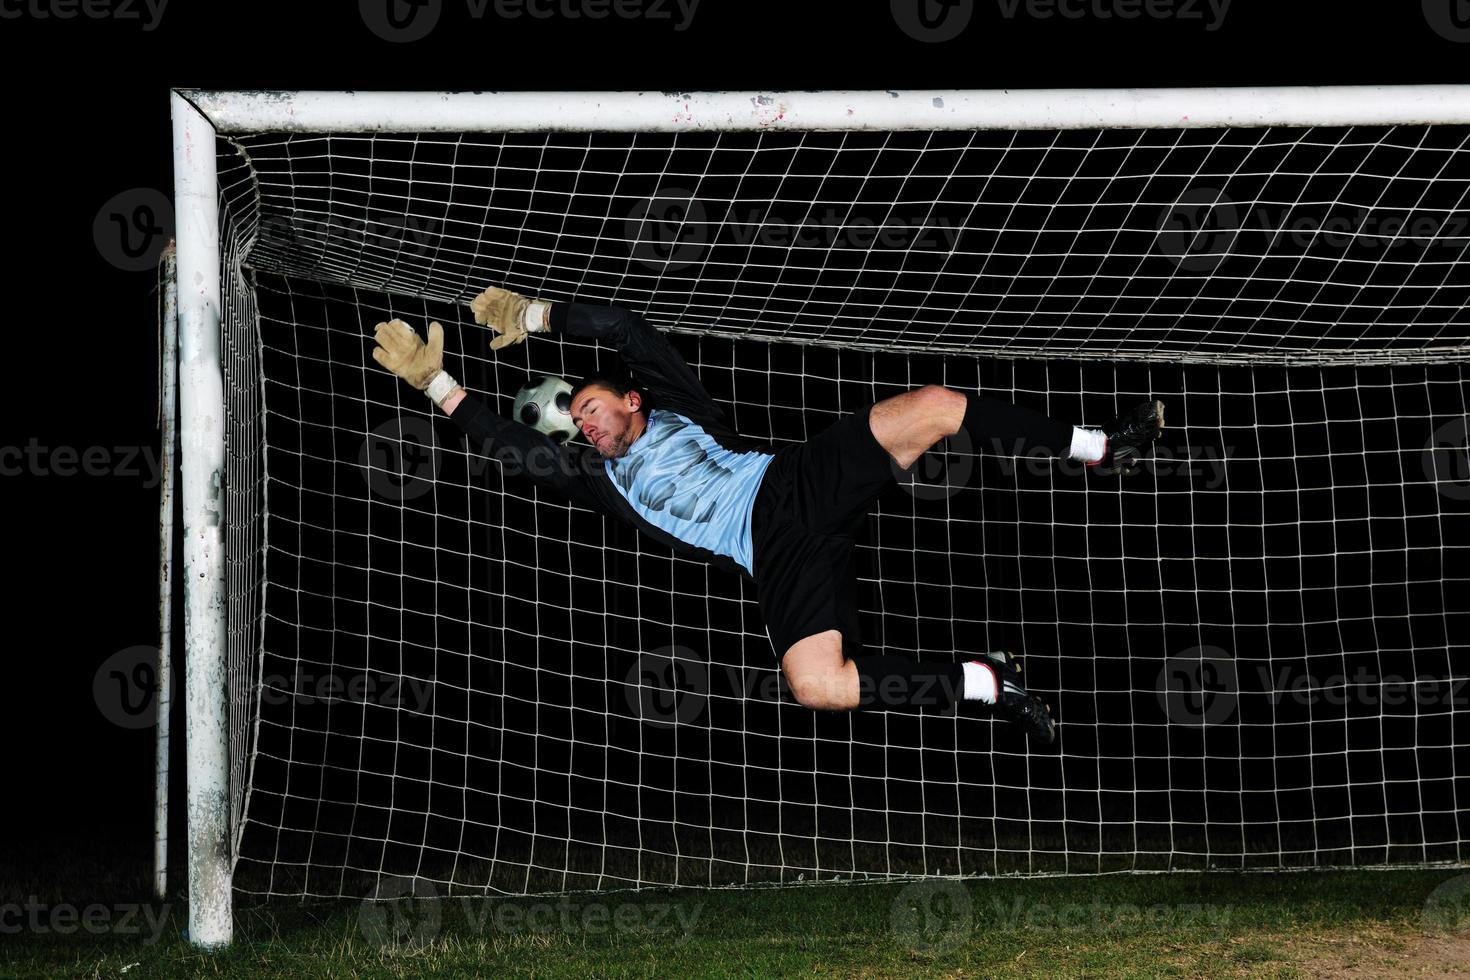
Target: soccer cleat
{"x":1014,"y":703}
{"x":1129,"y":436}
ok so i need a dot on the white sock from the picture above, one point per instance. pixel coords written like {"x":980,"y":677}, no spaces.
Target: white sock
{"x":1088,"y":445}
{"x":979,"y":682}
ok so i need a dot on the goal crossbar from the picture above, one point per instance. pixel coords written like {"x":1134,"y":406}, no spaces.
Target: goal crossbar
{"x":1165,"y":108}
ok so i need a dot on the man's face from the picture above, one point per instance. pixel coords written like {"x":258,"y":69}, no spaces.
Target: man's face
{"x":608,"y":421}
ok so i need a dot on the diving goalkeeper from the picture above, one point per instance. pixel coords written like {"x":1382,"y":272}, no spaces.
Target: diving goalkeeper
{"x":668,"y":462}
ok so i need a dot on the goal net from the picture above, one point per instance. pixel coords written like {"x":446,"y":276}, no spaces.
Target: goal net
{"x":1256,"y":647}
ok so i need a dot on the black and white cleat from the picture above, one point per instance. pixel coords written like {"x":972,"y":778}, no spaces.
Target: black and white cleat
{"x":1130,"y":436}
{"x":1017,"y":705}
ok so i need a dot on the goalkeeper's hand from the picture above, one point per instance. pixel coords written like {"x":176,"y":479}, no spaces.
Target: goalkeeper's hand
{"x":511,"y":315}
{"x":401,"y":351}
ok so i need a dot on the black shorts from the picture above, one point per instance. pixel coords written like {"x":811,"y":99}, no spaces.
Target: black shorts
{"x":812,"y":500}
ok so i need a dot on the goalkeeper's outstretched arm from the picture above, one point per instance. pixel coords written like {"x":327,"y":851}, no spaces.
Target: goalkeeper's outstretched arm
{"x":659,"y":368}
{"x":521,"y":450}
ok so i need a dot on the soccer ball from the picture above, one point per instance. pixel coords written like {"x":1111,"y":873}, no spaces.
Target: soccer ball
{"x":545,"y":404}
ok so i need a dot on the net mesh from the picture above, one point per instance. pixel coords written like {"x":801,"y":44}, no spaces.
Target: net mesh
{"x":1255,"y":646}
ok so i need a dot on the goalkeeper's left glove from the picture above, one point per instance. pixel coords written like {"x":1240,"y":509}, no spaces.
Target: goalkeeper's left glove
{"x":510,"y":315}
{"x":1129,"y":436}
{"x":422,"y":365}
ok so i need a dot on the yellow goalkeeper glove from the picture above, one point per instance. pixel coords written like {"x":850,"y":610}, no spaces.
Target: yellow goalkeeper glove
{"x":511,"y":315}
{"x":422,"y":365}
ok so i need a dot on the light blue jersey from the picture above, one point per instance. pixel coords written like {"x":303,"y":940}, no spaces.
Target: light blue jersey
{"x":678,"y":478}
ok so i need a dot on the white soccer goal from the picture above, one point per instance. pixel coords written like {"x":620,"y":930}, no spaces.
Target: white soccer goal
{"x":403,"y":662}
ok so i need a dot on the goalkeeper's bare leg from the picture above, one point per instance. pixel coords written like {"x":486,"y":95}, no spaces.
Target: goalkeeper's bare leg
{"x":909,"y":425}
{"x":818,"y":668}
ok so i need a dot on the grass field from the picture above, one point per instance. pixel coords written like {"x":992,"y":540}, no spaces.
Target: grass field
{"x":1298,"y":924}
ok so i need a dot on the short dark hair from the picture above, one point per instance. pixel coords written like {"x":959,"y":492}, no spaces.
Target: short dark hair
{"x":618,"y":384}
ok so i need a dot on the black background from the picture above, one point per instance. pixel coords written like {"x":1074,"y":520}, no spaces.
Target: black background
{"x":87,"y":119}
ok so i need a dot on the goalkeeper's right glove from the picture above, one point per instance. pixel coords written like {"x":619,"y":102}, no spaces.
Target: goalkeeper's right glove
{"x":510,"y":315}
{"x":401,"y":351}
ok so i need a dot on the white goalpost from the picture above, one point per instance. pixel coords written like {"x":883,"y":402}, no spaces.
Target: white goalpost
{"x":405,"y":661}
